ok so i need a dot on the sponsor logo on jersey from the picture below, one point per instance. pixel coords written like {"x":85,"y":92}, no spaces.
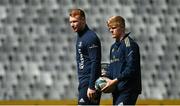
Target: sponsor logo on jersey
{"x":81,"y":63}
{"x":93,"y":46}
{"x":114,"y":59}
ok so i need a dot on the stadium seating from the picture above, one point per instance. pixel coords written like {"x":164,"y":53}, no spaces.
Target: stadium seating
{"x":37,"y":46}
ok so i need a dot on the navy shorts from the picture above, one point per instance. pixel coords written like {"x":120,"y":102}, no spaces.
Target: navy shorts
{"x":84,"y":100}
{"x":125,"y":98}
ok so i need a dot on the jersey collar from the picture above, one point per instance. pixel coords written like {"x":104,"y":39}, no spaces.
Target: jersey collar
{"x":117,"y":43}
{"x":81,"y":33}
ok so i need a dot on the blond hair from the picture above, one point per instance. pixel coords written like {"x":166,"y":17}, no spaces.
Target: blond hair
{"x":116,"y":21}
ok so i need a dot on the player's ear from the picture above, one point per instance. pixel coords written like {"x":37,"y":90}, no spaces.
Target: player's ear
{"x":83,"y":19}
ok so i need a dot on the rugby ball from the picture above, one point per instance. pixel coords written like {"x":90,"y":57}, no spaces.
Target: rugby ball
{"x":100,"y":83}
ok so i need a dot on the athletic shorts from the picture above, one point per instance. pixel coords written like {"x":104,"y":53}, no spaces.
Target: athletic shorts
{"x":125,"y":98}
{"x":84,"y":100}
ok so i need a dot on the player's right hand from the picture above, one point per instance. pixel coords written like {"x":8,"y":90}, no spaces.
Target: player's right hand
{"x":91,"y":94}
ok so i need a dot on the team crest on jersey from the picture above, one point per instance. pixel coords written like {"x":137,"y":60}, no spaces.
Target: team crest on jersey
{"x":80,"y":44}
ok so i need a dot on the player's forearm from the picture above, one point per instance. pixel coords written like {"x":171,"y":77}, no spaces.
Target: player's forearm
{"x":95,"y":73}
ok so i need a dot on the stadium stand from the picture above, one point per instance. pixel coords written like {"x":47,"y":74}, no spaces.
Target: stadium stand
{"x":37,"y":51}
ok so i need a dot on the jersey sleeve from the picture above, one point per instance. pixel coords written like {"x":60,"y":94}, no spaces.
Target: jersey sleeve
{"x":109,"y":68}
{"x":94,"y":51}
{"x":132,"y":57}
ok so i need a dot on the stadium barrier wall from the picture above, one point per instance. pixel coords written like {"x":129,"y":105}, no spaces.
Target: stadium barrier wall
{"x":74,"y":102}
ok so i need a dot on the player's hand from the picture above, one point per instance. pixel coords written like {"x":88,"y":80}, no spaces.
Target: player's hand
{"x":109,"y":86}
{"x":91,"y":94}
{"x":103,"y":72}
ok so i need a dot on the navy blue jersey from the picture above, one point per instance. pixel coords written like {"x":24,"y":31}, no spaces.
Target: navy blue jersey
{"x":88,"y":56}
{"x":125,"y":65}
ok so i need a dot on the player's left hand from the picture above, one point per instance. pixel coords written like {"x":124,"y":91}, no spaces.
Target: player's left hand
{"x":91,"y":94}
{"x":109,"y":86}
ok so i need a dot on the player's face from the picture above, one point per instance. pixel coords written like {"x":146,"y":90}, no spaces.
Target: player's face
{"x":116,"y":32}
{"x":76,"y":23}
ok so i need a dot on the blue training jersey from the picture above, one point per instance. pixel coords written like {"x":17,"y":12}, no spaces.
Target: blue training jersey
{"x":125,"y":65}
{"x":88,"y":56}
